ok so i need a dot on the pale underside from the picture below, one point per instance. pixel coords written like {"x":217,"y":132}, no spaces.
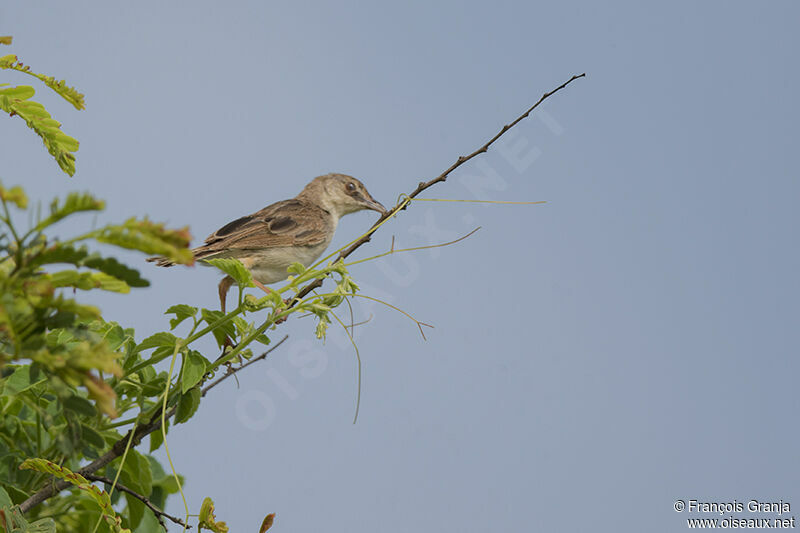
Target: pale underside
{"x":269,"y":241}
{"x":269,"y":265}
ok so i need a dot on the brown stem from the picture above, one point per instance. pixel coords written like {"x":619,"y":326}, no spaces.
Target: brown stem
{"x":231,"y":370}
{"x":158,"y":512}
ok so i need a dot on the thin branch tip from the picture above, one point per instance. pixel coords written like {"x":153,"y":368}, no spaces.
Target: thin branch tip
{"x":146,"y":501}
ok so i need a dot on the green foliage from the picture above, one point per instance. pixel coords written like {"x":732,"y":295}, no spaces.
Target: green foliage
{"x":187,"y":405}
{"x":181,"y":312}
{"x":235,"y":269}
{"x":149,"y":237}
{"x":74,"y":203}
{"x":15,"y":195}
{"x":208,"y":520}
{"x":86,"y":281}
{"x":66,"y":373}
{"x":70,"y":94}
{"x":81,"y":257}
{"x":99,"y":496}
{"x":193,"y":369}
{"x":42,"y":323}
{"x":14,"y":522}
{"x":16,"y":101}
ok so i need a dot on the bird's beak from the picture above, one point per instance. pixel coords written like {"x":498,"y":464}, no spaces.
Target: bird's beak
{"x":371,"y":203}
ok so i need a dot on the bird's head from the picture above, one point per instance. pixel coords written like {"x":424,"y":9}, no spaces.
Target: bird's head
{"x":340,"y":195}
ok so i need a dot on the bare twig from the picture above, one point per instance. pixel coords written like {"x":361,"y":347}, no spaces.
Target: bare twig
{"x":387,"y":304}
{"x":231,"y":370}
{"x":158,"y":512}
{"x":415,"y":248}
{"x":423,"y":185}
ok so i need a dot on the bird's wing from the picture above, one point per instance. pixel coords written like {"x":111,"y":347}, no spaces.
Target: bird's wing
{"x":287,"y":223}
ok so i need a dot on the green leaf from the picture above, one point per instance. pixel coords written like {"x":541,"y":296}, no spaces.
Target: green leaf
{"x":135,"y":511}
{"x":80,"y":257}
{"x":153,"y":384}
{"x":144,"y":472}
{"x":112,"y":267}
{"x":17,"y":495}
{"x":181,"y":312}
{"x":156,"y":440}
{"x":87,"y":281}
{"x":296,"y":268}
{"x":60,"y":145}
{"x":14,"y":522}
{"x":15,"y":194}
{"x":5,"y":499}
{"x":68,"y":305}
{"x":136,"y":473}
{"x":208,"y":520}
{"x":234,"y":268}
{"x":322,"y":326}
{"x":98,"y":495}
{"x":60,"y":253}
{"x":150,"y":238}
{"x":162,"y":479}
{"x":193,"y":370}
{"x":245,"y":328}
{"x":22,"y":92}
{"x":113,"y":334}
{"x":187,"y":405}
{"x":44,"y":525}
{"x":221,"y":332}
{"x":321,"y":311}
{"x":21,"y":380}
{"x":159,"y":340}
{"x":60,"y":87}
{"x":92,"y":437}
{"x":273,"y":300}
{"x":80,"y":405}
{"x":75,"y":202}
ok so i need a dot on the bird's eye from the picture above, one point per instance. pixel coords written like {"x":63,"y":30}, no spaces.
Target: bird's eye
{"x":351,"y":186}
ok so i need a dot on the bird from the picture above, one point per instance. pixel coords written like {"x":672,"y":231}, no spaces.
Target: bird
{"x":298,"y":230}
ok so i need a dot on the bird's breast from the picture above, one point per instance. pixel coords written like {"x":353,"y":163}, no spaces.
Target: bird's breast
{"x":269,"y":265}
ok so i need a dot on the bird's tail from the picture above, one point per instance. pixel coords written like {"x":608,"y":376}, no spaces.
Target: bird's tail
{"x":160,"y":261}
{"x":199,"y":253}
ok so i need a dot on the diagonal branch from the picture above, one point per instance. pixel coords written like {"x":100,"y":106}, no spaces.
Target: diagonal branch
{"x":158,"y":512}
{"x":231,"y":370}
{"x":423,"y":185}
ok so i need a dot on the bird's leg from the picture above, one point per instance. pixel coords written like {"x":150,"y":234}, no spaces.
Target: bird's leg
{"x":224,"y":287}
{"x":261,"y":286}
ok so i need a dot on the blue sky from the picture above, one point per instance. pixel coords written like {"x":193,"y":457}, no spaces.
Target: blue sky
{"x":629,"y":343}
